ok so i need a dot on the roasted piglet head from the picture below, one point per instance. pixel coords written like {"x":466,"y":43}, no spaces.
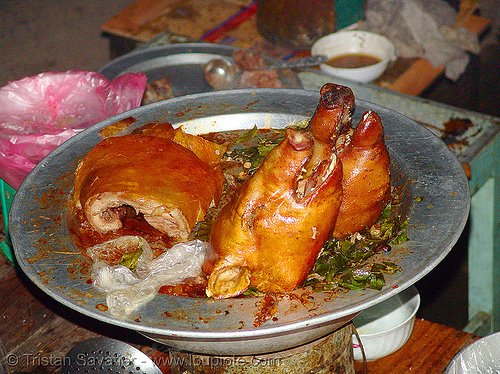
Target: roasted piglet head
{"x":270,"y":234}
{"x":169,"y":184}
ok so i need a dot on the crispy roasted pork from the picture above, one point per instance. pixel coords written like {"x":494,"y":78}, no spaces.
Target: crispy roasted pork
{"x":366,"y":184}
{"x":170,"y":185}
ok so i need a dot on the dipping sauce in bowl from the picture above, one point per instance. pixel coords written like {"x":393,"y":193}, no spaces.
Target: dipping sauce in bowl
{"x":352,"y":61}
{"x":357,"y":55}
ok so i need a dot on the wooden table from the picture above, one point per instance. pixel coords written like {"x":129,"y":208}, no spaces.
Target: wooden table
{"x":37,"y":332}
{"x":429,"y":350}
{"x":234,"y":22}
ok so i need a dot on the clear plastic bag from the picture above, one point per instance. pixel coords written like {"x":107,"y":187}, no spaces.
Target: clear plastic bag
{"x":128,"y":289}
{"x":479,"y":357}
{"x":40,"y":112}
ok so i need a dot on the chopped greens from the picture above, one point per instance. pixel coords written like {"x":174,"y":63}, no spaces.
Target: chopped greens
{"x":252,"y":291}
{"x":258,"y":145}
{"x":249,"y":135}
{"x":344,"y":263}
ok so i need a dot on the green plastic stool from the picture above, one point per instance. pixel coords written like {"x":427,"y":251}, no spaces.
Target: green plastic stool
{"x":7,"y":195}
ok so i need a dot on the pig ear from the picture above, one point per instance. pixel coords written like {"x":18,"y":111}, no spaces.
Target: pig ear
{"x":369,"y":130}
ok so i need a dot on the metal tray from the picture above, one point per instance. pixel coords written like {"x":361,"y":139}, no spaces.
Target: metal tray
{"x":182,"y":65}
{"x":38,"y":224}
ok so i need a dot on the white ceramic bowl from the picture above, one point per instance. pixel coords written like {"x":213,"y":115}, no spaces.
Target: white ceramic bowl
{"x":480,"y":357}
{"x":386,"y":327}
{"x":358,"y":42}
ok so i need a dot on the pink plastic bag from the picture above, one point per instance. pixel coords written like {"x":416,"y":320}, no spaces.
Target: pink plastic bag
{"x":39,"y":113}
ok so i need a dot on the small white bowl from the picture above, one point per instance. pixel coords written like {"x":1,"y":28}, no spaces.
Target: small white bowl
{"x":386,"y":327}
{"x":482,"y":356}
{"x":358,"y":42}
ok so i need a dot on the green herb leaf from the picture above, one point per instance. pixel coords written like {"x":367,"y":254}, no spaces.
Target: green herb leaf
{"x":377,"y":282}
{"x":265,"y":148}
{"x":249,"y":135}
{"x":344,"y":263}
{"x":130,"y":259}
{"x":385,"y":268}
{"x":401,"y":238}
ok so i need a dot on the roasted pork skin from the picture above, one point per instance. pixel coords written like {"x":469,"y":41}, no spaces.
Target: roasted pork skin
{"x":166,"y":182}
{"x":331,"y":180}
{"x":366,"y":185}
{"x":333,"y":113}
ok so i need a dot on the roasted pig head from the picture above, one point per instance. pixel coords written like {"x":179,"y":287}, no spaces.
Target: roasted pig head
{"x":169,"y":184}
{"x":270,"y":234}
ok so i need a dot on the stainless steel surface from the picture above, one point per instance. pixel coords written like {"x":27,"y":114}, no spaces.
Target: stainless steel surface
{"x":430,"y":171}
{"x":106,"y":355}
{"x":182,"y":64}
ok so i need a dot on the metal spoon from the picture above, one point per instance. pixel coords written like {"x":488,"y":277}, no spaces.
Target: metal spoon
{"x":103,"y":355}
{"x":221,"y":73}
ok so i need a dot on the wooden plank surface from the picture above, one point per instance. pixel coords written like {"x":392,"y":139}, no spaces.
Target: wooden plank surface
{"x":428,"y":351}
{"x":36,"y":333}
{"x":417,"y":78}
{"x":145,"y":19}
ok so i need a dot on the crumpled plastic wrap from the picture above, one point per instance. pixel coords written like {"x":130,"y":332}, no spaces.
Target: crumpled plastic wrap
{"x":479,"y":357}
{"x":423,"y":28}
{"x":40,"y":112}
{"x":125,"y":289}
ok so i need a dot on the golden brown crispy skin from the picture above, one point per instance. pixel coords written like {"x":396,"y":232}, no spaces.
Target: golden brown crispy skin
{"x":159,"y":178}
{"x":366,"y":185}
{"x":333,"y":113}
{"x":159,"y":129}
{"x":116,"y":127}
{"x":207,"y":151}
{"x":270,"y":235}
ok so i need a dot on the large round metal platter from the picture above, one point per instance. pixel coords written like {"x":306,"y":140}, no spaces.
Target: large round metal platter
{"x":437,"y":202}
{"x":182,"y":65}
